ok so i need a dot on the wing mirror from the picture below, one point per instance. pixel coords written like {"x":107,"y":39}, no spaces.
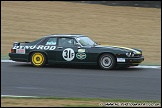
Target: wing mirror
{"x":78,"y":45}
{"x":98,"y":43}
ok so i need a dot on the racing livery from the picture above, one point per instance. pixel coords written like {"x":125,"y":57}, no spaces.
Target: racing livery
{"x":74,"y":49}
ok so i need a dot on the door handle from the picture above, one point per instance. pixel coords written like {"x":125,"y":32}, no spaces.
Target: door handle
{"x":59,"y":47}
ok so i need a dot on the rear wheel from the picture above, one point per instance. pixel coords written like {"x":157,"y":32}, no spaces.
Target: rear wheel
{"x":107,"y":61}
{"x":38,"y":59}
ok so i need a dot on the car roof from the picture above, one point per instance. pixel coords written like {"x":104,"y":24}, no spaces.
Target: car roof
{"x":65,"y":35}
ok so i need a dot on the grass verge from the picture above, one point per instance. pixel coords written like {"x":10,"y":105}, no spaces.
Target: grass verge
{"x":73,"y":102}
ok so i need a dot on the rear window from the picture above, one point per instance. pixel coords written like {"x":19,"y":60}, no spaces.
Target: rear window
{"x":51,"y":41}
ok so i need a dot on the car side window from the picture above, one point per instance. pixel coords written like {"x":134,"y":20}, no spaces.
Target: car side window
{"x":68,"y":42}
{"x":51,"y":41}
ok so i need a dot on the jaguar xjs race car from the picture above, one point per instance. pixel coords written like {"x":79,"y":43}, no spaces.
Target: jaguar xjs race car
{"x":74,"y":49}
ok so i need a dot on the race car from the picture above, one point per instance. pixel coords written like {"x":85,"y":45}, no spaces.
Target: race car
{"x":74,"y":49}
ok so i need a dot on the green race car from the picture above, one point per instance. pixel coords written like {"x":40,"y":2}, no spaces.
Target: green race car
{"x":74,"y":49}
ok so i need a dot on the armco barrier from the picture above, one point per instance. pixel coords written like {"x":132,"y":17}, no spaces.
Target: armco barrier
{"x":148,"y":4}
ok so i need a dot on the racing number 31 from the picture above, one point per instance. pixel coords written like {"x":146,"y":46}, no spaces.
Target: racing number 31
{"x":68,"y":54}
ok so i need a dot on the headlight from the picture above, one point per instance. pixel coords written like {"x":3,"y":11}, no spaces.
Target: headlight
{"x":130,"y":54}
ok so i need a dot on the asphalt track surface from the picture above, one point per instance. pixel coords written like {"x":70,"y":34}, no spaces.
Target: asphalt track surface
{"x":22,"y":79}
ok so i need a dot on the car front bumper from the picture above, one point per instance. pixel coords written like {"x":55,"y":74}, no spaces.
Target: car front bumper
{"x":131,"y":61}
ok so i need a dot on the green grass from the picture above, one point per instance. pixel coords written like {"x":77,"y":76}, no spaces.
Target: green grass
{"x":85,"y":99}
{"x":150,"y":64}
{"x":4,"y":57}
{"x":72,"y":102}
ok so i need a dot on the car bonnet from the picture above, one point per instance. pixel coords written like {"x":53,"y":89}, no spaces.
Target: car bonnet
{"x":122,"y":48}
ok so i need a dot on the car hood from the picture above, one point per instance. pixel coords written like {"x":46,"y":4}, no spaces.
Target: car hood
{"x":137,"y":51}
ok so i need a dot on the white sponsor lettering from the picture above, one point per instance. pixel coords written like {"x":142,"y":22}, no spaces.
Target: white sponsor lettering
{"x":46,"y":47}
{"x":26,"y":47}
{"x":120,"y":59}
{"x":32,"y":47}
{"x":21,"y":47}
{"x":51,"y":43}
{"x":15,"y":47}
{"x":40,"y":47}
{"x":52,"y":47}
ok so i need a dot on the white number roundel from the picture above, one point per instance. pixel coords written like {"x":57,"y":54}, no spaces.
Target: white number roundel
{"x":68,"y":54}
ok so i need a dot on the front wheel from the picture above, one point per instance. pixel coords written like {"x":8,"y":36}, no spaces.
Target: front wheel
{"x":107,"y":61}
{"x":38,"y":59}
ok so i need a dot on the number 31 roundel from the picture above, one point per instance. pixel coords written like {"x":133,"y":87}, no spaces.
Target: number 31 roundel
{"x":68,"y":54}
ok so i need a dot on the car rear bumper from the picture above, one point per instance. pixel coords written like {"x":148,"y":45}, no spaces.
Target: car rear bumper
{"x":18,"y":57}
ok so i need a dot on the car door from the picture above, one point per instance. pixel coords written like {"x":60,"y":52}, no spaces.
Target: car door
{"x":65,"y":50}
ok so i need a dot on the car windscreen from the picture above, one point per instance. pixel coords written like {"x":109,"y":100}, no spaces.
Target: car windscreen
{"x":85,"y":41}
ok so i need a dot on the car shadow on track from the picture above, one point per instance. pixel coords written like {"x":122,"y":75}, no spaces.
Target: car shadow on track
{"x":68,"y":66}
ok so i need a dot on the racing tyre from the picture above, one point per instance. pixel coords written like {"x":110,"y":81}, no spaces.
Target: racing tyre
{"x":38,"y":59}
{"x":107,"y":61}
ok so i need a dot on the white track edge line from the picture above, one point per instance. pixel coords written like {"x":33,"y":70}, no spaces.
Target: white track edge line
{"x":16,"y":96}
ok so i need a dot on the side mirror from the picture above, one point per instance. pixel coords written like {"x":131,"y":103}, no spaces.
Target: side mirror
{"x":78,"y":45}
{"x":98,"y":43}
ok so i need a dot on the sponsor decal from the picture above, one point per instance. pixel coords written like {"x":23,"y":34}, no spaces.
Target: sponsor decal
{"x":68,"y":54}
{"x":81,"y":50}
{"x":42,"y":47}
{"x":120,"y":59}
{"x":81,"y":56}
{"x":51,"y":43}
{"x":20,"y":51}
